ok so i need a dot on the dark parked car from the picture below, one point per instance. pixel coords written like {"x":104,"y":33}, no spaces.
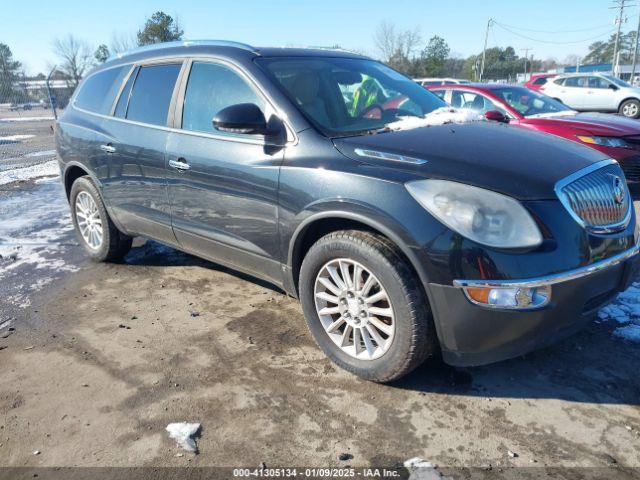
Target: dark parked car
{"x":479,"y":240}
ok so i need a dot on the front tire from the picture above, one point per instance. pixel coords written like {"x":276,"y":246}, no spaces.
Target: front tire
{"x":630,"y":108}
{"x":364,"y":306}
{"x":97,"y":234}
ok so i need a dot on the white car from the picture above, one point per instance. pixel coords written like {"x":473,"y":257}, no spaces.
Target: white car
{"x":425,"y":82}
{"x":595,"y":92}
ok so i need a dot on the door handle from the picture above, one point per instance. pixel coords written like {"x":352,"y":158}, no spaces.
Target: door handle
{"x":108,"y":148}
{"x":179,"y":164}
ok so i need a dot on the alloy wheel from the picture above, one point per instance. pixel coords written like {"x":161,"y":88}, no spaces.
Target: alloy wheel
{"x":354,"y":309}
{"x":630,"y":110}
{"x":89,"y":221}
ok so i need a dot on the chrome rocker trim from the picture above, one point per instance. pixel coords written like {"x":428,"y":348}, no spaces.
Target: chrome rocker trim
{"x":555,"y":278}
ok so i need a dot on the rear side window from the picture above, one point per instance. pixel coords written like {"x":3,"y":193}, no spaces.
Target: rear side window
{"x":212,"y":87}
{"x":152,"y":92}
{"x":98,"y":91}
{"x":540,"y":81}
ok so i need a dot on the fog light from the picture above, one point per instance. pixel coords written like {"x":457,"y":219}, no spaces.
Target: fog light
{"x":511,"y":298}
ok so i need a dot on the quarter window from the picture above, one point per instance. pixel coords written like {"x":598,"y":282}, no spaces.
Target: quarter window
{"x":212,"y":87}
{"x":152,"y":92}
{"x":123,"y":101}
{"x":98,"y":91}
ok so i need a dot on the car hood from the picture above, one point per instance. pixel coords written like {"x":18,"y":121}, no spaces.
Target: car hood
{"x":594,"y":123}
{"x":511,"y":160}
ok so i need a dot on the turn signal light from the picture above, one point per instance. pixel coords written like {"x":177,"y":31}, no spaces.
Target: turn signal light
{"x":509,"y":298}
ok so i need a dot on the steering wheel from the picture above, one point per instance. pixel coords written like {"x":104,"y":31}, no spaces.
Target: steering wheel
{"x":386,"y":114}
{"x":375,"y":106}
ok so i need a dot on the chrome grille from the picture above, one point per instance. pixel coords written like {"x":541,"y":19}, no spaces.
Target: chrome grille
{"x":597,"y":197}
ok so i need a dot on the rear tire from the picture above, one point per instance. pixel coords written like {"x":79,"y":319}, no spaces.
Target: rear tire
{"x":630,"y":108}
{"x":97,"y":234}
{"x":406,"y":335}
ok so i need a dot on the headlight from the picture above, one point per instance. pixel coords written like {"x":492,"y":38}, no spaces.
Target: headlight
{"x":480,"y":215}
{"x":604,"y":141}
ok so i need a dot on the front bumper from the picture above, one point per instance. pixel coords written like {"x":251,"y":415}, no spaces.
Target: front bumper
{"x":471,"y":334}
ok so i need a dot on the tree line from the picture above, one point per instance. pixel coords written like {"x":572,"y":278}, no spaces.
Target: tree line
{"x":403,"y":50}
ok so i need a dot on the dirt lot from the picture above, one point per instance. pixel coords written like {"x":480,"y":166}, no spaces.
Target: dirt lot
{"x":97,"y":359}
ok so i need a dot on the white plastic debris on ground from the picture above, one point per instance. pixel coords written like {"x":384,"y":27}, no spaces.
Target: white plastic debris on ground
{"x":420,"y":469}
{"x":625,"y":310}
{"x":182,"y":433}
{"x":45,"y":169}
{"x":440,"y":116}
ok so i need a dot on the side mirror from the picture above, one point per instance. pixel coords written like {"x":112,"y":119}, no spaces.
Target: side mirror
{"x":496,"y":116}
{"x":613,"y":87}
{"x":245,"y":118}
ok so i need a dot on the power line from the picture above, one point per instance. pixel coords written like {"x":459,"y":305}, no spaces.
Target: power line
{"x":553,"y":42}
{"x":590,"y":29}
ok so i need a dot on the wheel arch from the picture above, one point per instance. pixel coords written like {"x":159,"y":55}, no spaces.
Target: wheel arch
{"x":626,"y":100}
{"x":322,"y":223}
{"x":72,"y":172}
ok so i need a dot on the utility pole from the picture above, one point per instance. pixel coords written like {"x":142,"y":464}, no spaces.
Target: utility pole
{"x":635,"y":54}
{"x":619,"y":4}
{"x":526,"y":57}
{"x":484,"y":50}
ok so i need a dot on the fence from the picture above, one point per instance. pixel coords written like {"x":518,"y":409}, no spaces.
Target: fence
{"x":26,"y":120}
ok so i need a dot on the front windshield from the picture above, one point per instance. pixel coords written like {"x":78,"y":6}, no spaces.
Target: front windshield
{"x":348,"y":96}
{"x":528,"y":102}
{"x":617,"y":81}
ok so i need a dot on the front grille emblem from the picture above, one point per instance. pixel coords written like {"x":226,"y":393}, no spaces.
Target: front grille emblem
{"x":618,"y":189}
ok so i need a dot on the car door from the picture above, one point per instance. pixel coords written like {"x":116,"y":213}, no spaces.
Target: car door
{"x":135,"y":182}
{"x":572,"y":92}
{"x":599,"y":95}
{"x":223,"y":187}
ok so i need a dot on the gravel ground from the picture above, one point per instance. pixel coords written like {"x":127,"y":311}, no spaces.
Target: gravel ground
{"x":97,"y":359}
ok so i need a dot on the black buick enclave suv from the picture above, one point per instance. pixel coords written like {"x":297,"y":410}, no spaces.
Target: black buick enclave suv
{"x":325,"y":173}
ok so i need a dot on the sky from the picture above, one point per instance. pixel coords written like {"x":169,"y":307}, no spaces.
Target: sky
{"x":30,"y":27}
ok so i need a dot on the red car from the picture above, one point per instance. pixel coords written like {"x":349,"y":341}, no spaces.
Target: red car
{"x":538,"y":80}
{"x":616,"y":136}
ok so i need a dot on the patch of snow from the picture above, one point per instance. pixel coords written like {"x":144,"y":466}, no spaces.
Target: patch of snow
{"x":15,"y":138}
{"x":625,"y":310}
{"x":24,"y":119}
{"x":47,"y":169}
{"x":630,"y":332}
{"x":440,"y":116}
{"x":35,"y":233}
{"x":182,"y":433}
{"x":42,"y":153}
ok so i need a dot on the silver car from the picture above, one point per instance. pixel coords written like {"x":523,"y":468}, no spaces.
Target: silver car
{"x":595,"y":92}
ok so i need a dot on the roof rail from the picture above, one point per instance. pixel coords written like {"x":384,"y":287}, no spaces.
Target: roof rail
{"x":183,"y":43}
{"x":321,"y":47}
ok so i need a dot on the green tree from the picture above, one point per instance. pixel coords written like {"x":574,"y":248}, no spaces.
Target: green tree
{"x":102,"y":53}
{"x":434,"y":57}
{"x":602,"y":52}
{"x":9,"y":69}
{"x":159,"y":28}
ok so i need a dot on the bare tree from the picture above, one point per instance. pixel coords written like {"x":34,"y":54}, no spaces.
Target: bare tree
{"x":75,"y":58}
{"x":395,"y":44}
{"x":385,"y":39}
{"x":121,"y":42}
